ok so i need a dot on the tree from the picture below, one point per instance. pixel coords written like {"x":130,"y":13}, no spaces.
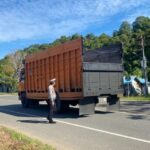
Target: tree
{"x":125,"y":28}
{"x":141,"y":23}
{"x":89,"y":41}
{"x":104,"y":39}
{"x":16,"y":59}
{"x":32,"y":49}
{"x":141,"y":27}
{"x":75,"y":36}
{"x":6,"y":74}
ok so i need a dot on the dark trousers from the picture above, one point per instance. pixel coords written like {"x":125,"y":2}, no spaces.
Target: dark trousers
{"x":52,"y":108}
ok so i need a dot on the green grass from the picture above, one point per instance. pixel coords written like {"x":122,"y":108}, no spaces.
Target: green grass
{"x":136,"y":98}
{"x":10,"y":140}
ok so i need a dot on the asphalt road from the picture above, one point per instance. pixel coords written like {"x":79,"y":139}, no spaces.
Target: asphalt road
{"x":128,"y":129}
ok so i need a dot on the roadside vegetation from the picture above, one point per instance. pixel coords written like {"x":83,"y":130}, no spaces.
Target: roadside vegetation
{"x":12,"y":140}
{"x":136,"y":98}
{"x":4,"y":93}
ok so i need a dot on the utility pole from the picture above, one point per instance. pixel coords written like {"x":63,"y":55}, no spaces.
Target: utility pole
{"x":144,"y":65}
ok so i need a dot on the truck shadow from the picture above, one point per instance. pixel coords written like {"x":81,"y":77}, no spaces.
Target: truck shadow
{"x":42,"y":111}
{"x":136,"y":108}
{"x":137,"y":117}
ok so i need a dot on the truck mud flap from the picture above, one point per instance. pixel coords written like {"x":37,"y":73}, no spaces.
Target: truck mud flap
{"x":86,"y":106}
{"x":113,"y":104}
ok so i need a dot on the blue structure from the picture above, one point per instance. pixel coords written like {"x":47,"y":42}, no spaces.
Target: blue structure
{"x":127,"y":80}
{"x":129,"y":89}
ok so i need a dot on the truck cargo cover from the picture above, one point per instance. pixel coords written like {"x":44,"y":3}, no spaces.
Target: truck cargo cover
{"x":106,"y":54}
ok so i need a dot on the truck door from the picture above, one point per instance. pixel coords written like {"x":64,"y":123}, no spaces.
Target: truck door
{"x":101,"y":79}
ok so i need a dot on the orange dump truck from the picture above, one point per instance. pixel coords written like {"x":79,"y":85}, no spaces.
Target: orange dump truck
{"x":80,"y":78}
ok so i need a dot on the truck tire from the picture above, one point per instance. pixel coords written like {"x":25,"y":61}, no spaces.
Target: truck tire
{"x":112,"y":99}
{"x":113,"y":103}
{"x":24,"y":101}
{"x":64,"y":106}
{"x":61,"y":106}
{"x":33,"y":103}
{"x":58,"y":103}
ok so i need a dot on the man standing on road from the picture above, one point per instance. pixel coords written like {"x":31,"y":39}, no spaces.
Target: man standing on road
{"x":51,"y":98}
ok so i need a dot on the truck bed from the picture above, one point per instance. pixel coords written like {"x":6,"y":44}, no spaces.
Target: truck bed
{"x":63,"y":62}
{"x":78,"y":75}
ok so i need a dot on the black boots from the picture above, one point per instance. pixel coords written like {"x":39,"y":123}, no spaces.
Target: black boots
{"x":51,"y":121}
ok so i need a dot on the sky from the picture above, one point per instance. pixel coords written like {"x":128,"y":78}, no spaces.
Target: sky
{"x":27,"y":22}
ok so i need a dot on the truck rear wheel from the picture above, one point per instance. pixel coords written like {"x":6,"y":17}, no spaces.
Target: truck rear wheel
{"x":113,"y":103}
{"x":57,"y":103}
{"x":112,"y":99}
{"x":33,"y":103}
{"x":64,"y":105}
{"x":61,"y":105}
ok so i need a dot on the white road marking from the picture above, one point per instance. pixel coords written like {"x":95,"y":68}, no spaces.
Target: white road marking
{"x":84,"y":127}
{"x":103,"y":131}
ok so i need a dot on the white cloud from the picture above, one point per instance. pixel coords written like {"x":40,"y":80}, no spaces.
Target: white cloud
{"x":27,"y":19}
{"x":139,"y":12}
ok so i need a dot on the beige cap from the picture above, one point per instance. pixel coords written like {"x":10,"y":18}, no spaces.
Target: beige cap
{"x":52,"y":80}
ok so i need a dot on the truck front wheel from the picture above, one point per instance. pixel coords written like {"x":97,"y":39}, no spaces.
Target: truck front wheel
{"x":24,"y":101}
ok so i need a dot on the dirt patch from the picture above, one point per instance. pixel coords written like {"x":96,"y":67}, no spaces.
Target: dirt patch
{"x":11,"y":140}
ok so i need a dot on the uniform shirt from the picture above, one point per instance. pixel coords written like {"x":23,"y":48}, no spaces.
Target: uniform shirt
{"x":51,"y":92}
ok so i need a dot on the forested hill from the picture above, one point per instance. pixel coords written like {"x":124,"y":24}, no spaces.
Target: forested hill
{"x":129,"y":34}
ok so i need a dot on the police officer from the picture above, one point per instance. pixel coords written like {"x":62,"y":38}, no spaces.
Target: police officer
{"x":51,"y":98}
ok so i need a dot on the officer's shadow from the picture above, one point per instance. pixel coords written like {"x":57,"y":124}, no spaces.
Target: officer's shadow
{"x":33,"y":121}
